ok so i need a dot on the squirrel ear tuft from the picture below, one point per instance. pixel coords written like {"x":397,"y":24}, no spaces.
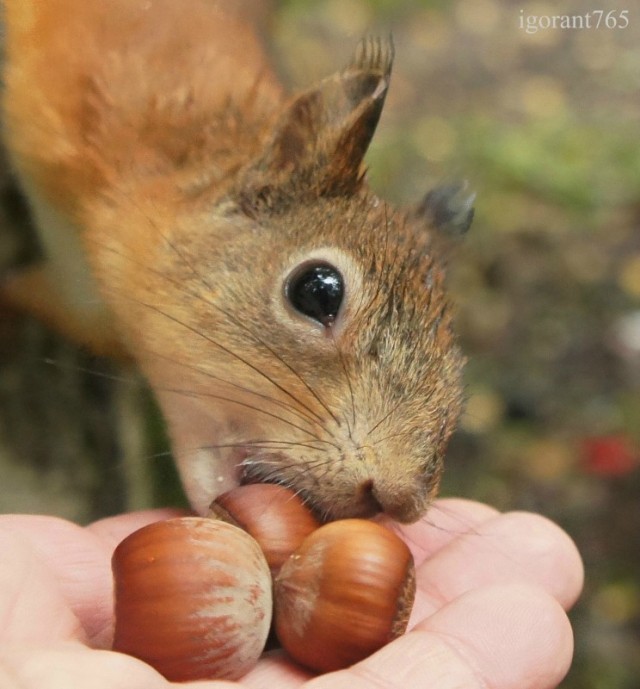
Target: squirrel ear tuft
{"x":323,"y":134}
{"x":449,"y":209}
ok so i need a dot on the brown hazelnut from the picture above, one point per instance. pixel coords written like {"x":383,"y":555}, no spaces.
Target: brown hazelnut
{"x":192,"y":598}
{"x":346,"y":592}
{"x":274,"y":515}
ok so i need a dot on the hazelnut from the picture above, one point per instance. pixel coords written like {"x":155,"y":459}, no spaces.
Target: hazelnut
{"x":274,"y":515}
{"x":192,"y":598}
{"x":346,"y":592}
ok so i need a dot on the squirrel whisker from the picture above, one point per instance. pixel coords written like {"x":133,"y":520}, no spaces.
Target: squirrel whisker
{"x":227,"y":350}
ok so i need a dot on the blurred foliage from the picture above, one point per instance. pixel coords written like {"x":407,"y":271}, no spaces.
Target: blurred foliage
{"x":572,"y":164}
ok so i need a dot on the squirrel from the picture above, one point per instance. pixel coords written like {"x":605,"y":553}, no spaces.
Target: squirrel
{"x":220,"y":233}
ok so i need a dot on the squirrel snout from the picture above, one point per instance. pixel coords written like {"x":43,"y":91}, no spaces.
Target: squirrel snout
{"x":355,"y":490}
{"x":367,"y":496}
{"x":404,"y":504}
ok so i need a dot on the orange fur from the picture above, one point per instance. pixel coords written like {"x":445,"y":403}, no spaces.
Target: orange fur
{"x":128,"y":97}
{"x":120,"y":85}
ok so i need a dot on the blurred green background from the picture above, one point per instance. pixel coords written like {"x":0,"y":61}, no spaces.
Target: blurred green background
{"x":545,"y":126}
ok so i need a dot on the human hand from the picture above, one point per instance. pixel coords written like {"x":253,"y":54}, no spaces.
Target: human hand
{"x":488,"y":612}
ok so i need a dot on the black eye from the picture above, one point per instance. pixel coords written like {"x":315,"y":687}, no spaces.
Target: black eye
{"x":316,"y":291}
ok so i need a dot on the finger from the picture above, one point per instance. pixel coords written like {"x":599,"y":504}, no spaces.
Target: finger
{"x":503,"y":637}
{"x":446,"y":520}
{"x":32,"y":606}
{"x":514,"y":547}
{"x":74,"y":560}
{"x":112,"y":530}
{"x":78,"y":560}
{"x":73,"y":665}
{"x":69,"y":665}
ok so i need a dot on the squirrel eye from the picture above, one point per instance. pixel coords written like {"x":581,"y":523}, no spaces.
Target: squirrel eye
{"x":316,"y":291}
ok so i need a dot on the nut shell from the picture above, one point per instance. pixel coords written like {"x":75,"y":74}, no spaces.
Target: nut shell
{"x":274,"y":515}
{"x":192,"y":598}
{"x":345,"y":593}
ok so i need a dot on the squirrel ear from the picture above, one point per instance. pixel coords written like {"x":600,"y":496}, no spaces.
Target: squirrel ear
{"x":449,"y":209}
{"x":323,"y":134}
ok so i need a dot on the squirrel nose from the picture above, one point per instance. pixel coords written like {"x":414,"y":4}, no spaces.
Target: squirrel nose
{"x":368,"y":497}
{"x":402,"y":506}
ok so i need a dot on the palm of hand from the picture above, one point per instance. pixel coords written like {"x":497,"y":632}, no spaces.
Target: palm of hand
{"x":488,"y":612}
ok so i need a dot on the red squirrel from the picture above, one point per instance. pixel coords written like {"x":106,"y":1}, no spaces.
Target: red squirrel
{"x":221,"y":234}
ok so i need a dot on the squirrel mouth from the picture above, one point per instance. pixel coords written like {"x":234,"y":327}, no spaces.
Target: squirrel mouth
{"x":276,"y":467}
{"x":269,"y":467}
{"x":262,"y":468}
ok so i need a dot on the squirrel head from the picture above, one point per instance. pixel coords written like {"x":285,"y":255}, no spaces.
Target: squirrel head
{"x":310,"y":340}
